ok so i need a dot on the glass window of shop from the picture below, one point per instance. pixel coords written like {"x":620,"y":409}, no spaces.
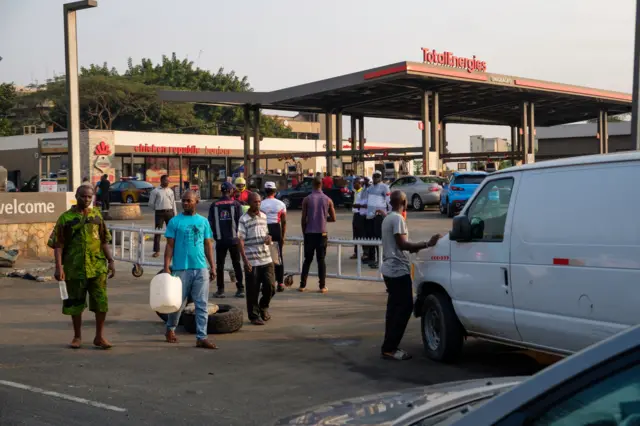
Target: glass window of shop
{"x":174,"y":171}
{"x":138,"y":170}
{"x":235,"y":165}
{"x":156,"y":167}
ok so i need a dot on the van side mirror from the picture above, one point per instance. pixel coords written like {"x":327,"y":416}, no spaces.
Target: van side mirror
{"x":461,"y":230}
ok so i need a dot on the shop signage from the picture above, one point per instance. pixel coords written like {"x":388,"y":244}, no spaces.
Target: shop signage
{"x":448,"y":59}
{"x":48,"y":186}
{"x":180,"y":150}
{"x":103,"y":159}
{"x":53,"y":146}
{"x":501,"y":79}
{"x":32,"y":207}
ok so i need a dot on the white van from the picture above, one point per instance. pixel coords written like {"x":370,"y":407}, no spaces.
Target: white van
{"x":543,"y":256}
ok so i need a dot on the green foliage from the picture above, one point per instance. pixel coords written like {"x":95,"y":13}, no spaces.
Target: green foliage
{"x":129,"y":101}
{"x":7,"y":103}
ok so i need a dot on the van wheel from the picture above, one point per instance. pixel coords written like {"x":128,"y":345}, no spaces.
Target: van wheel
{"x":442,"y":333}
{"x":450,"y":210}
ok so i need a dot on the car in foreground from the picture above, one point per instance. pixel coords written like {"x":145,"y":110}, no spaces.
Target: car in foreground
{"x":130,"y":191}
{"x":599,"y":386}
{"x":457,"y":192}
{"x":525,"y":267}
{"x":292,"y":197}
{"x":421,"y":191}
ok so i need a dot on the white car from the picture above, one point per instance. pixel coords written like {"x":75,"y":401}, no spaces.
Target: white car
{"x":535,"y":260}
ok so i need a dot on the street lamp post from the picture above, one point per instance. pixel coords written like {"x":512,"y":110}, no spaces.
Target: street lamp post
{"x":73,"y":99}
{"x":635,"y":106}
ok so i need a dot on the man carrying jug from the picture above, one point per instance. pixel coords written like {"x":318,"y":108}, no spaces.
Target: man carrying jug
{"x":189,"y":247}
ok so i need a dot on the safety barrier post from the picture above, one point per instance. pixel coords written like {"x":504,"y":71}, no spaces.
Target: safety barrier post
{"x":359,"y":261}
{"x":339,"y":259}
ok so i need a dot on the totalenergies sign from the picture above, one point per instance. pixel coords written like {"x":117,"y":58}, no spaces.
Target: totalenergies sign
{"x":448,"y":59}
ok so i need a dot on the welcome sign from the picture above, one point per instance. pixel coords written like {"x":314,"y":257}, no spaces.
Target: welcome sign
{"x":32,"y":207}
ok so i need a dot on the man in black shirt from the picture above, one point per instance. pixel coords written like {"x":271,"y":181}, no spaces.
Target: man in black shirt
{"x":104,"y":192}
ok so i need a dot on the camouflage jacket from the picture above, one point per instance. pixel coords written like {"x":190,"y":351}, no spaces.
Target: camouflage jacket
{"x":80,"y":237}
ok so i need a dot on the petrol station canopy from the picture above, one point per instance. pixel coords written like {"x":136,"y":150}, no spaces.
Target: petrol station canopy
{"x":396,"y":91}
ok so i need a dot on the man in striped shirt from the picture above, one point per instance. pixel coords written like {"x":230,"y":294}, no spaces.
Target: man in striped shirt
{"x":254,"y":238}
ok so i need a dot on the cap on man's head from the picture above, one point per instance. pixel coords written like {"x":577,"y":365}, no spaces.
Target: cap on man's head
{"x":377,"y":173}
{"x":269,"y":185}
{"x":226,"y":186}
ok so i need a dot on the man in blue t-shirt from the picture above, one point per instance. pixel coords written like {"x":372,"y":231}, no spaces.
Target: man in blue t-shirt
{"x":189,"y":240}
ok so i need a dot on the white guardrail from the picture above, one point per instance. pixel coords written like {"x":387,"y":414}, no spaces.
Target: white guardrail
{"x":128,"y":245}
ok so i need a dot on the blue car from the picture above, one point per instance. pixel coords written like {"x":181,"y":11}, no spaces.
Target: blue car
{"x":460,"y":188}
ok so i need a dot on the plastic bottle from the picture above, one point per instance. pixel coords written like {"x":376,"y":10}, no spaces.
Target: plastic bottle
{"x":63,"y":290}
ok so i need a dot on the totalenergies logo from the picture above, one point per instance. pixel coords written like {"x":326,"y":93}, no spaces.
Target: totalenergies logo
{"x":448,"y":59}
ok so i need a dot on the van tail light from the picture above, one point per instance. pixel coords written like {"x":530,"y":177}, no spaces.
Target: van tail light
{"x":457,"y":188}
{"x":434,"y":189}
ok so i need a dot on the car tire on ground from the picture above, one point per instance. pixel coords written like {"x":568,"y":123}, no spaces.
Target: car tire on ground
{"x":228,"y":319}
{"x":441,"y":206}
{"x":450,"y":209}
{"x":129,"y":199}
{"x":287,"y":202}
{"x":442,"y":333}
{"x":416,"y":203}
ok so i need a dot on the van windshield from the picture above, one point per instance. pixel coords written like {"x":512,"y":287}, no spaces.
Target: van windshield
{"x":469,"y":179}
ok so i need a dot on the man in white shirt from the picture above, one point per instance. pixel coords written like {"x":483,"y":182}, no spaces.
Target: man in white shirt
{"x":163,"y":201}
{"x":276,"y":213}
{"x":377,"y":200}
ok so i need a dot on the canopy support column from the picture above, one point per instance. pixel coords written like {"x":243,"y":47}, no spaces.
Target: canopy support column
{"x":353,"y":127}
{"x":339,"y":138}
{"x":532,"y":134}
{"x":247,"y":140}
{"x":435,"y":130}
{"x":425,"y":133}
{"x":605,"y":130}
{"x":328,"y":142}
{"x":361,"y":142}
{"x":256,"y":139}
{"x":514,"y":141}
{"x":525,"y":132}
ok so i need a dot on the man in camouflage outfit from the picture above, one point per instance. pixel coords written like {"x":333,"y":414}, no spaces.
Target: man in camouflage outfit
{"x":80,"y":240}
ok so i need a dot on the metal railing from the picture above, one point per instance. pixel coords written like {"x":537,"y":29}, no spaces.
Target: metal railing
{"x":128,"y":245}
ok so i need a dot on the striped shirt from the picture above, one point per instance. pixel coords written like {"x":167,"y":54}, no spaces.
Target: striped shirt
{"x":253,"y":230}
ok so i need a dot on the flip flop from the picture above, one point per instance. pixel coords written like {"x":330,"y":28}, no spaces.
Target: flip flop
{"x":75,"y":344}
{"x":102,"y":344}
{"x":397,"y":355}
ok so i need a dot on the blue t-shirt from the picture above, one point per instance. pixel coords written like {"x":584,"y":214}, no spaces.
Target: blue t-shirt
{"x":189,"y":233}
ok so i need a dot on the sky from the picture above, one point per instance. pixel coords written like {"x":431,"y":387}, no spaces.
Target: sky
{"x":281,"y":43}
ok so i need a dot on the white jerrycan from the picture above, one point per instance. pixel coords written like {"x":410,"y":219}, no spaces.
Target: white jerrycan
{"x":165,"y":295}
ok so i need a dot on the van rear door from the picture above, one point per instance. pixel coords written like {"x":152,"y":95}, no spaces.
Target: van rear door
{"x":575,"y":254}
{"x":480,"y":274}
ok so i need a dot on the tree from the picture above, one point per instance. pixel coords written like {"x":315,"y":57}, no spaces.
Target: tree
{"x":113,"y":101}
{"x":7,"y":103}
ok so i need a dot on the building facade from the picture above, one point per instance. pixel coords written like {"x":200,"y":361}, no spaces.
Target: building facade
{"x":581,"y":139}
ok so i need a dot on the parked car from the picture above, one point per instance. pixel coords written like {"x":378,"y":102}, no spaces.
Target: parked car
{"x":460,"y":188}
{"x":598,"y":386}
{"x":292,"y":197}
{"x":529,"y":267}
{"x":130,"y":191}
{"x":11,"y":187}
{"x":421,"y":191}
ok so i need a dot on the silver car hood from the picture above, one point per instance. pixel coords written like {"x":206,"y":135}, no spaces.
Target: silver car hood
{"x":391,"y":407}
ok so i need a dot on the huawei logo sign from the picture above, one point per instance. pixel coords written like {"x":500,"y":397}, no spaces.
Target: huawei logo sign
{"x":102,"y":149}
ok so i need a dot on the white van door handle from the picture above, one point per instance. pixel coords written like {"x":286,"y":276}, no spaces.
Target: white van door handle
{"x":506,"y":276}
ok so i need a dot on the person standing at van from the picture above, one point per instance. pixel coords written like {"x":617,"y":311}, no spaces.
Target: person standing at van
{"x":396,"y":271}
{"x":276,"y":213}
{"x":224,"y":217}
{"x":377,"y":201}
{"x":163,"y":202}
{"x":189,"y":247}
{"x":317,"y":209}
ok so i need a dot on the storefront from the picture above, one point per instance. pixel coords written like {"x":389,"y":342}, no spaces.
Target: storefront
{"x":201,"y":169}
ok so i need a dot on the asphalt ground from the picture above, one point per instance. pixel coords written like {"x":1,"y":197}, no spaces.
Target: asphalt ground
{"x":316,"y":349}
